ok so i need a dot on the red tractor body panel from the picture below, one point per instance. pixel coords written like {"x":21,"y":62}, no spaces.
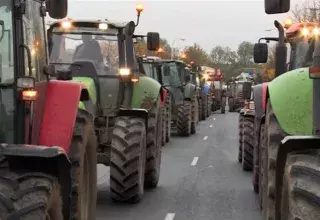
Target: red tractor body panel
{"x":163,"y":97}
{"x":264,"y":95}
{"x":55,"y":113}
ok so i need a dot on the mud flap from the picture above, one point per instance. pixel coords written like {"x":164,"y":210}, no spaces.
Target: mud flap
{"x":290,"y":144}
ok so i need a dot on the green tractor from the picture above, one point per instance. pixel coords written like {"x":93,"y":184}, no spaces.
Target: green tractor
{"x":48,"y":146}
{"x":289,"y":130}
{"x":235,"y":94}
{"x":181,"y":96}
{"x":153,"y":68}
{"x":123,"y":102}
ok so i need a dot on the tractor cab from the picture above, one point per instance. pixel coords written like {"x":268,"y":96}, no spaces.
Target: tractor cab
{"x":99,"y":54}
{"x":152,"y":67}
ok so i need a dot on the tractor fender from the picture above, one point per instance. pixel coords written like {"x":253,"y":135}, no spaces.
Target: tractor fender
{"x":145,"y":93}
{"x":91,"y":103}
{"x":259,"y":97}
{"x":189,"y":91}
{"x":164,"y":94}
{"x":290,"y":144}
{"x":290,"y":95}
{"x":55,"y":113}
{"x":49,"y":160}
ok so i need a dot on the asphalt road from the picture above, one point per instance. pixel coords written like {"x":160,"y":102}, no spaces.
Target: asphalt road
{"x":200,"y":180}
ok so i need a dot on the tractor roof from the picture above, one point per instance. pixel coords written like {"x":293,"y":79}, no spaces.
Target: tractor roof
{"x":296,"y":27}
{"x":152,"y":59}
{"x":92,"y":23}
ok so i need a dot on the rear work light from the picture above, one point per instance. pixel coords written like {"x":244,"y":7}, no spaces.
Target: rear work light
{"x":314,"y":72}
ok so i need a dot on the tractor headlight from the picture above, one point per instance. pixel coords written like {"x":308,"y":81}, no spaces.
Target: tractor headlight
{"x":124,"y":71}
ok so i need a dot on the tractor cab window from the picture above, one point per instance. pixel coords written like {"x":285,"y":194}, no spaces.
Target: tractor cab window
{"x":171,"y":74}
{"x":6,"y":73}
{"x":101,"y":50}
{"x":299,"y":54}
{"x":149,"y":69}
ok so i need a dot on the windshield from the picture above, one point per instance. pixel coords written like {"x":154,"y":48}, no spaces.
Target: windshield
{"x":101,"y":50}
{"x":148,"y":68}
{"x":170,"y":74}
{"x":299,"y":54}
{"x":6,"y":43}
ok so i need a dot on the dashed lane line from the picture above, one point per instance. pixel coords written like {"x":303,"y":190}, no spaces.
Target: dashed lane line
{"x":205,"y":138}
{"x":210,"y":126}
{"x":170,"y":216}
{"x":194,"y":161}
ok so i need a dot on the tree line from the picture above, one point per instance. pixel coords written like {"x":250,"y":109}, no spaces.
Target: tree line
{"x":233,"y":62}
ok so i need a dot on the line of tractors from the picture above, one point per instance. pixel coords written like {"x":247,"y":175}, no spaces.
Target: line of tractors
{"x":76,"y":95}
{"x":279,"y":124}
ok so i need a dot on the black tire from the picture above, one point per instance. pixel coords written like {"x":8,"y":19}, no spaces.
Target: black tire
{"x":29,"y":195}
{"x":83,"y":156}
{"x":262,"y":158}
{"x":231,"y":104}
{"x":184,"y":119}
{"x":128,"y":157}
{"x":247,"y":143}
{"x":193,"y":116}
{"x":208,"y":104}
{"x":301,"y":185}
{"x":204,"y":108}
{"x":168,"y":117}
{"x":240,"y":131}
{"x":273,"y":136}
{"x":153,"y":150}
{"x":200,"y":109}
{"x":223,"y":110}
{"x":164,"y":125}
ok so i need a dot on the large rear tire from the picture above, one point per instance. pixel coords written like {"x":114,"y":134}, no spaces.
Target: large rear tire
{"x":153,"y":152}
{"x":247,"y":143}
{"x":273,"y":136}
{"x":301,"y":187}
{"x":231,"y":104}
{"x":208,"y":104}
{"x":184,"y":119}
{"x":240,"y":131}
{"x":262,"y":160}
{"x":168,"y":117}
{"x":83,"y":157}
{"x":128,"y":157}
{"x":204,"y":107}
{"x":29,"y":196}
{"x":164,"y":125}
{"x":194,"y":114}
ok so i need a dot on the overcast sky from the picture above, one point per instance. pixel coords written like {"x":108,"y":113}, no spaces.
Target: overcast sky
{"x":208,"y":23}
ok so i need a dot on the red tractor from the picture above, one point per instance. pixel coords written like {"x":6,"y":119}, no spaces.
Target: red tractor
{"x":48,"y":146}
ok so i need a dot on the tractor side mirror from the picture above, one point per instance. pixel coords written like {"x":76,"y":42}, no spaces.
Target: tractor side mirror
{"x":260,"y":52}
{"x":246,"y":90}
{"x":2,"y":29}
{"x":276,"y":6}
{"x":153,"y":41}
{"x":57,"y":9}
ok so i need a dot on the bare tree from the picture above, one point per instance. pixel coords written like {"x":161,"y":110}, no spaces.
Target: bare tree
{"x":308,"y":11}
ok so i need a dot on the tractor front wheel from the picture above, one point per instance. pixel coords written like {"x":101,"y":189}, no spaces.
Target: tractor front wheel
{"x":247,"y":143}
{"x":240,"y":131}
{"x":273,"y":135}
{"x":128,"y":157}
{"x":29,"y":195}
{"x":83,"y":158}
{"x":300,"y":189}
{"x":164,"y":125}
{"x":184,"y":119}
{"x":168,"y":118}
{"x":153,"y":150}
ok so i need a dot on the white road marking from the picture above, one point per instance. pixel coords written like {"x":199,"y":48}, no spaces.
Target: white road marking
{"x":194,"y":161}
{"x":205,"y":138}
{"x":210,"y":126}
{"x":170,"y":216}
{"x":214,"y":119}
{"x":210,"y":166}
